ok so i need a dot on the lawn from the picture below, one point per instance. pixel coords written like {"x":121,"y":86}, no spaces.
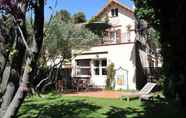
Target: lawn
{"x":56,"y":106}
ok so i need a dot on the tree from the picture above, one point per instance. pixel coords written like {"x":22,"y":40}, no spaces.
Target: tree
{"x":63,"y":15}
{"x":110,"y":76}
{"x":61,"y":38}
{"x":20,"y":55}
{"x":169,"y":20}
{"x":79,"y":17}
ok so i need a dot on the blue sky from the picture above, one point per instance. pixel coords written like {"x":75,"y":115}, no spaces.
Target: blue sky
{"x":89,"y":7}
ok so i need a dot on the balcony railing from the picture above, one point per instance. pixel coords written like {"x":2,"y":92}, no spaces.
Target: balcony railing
{"x":106,"y":40}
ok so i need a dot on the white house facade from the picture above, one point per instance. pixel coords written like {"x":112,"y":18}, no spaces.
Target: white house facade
{"x":118,"y":47}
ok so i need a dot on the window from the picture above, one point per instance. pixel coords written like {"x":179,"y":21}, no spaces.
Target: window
{"x":83,"y":67}
{"x":103,"y":67}
{"x":127,"y":36}
{"x":114,"y":12}
{"x":113,"y":36}
{"x":100,"y":67}
{"x":96,"y":67}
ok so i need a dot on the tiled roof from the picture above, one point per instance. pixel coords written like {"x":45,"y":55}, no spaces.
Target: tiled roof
{"x":116,"y":2}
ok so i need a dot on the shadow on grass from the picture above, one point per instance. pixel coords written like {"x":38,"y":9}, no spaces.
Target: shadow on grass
{"x":116,"y":112}
{"x":148,"y":109}
{"x":59,"y":109}
{"x":161,"y":109}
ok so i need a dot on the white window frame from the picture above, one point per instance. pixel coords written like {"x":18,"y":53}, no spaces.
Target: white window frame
{"x":99,"y":67}
{"x":113,"y":12}
{"x":78,"y":69}
{"x":113,"y":36}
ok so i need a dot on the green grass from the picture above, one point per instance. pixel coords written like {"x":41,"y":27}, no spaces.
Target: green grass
{"x":56,"y":106}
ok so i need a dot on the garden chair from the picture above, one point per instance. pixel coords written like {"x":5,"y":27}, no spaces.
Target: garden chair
{"x":144,"y":93}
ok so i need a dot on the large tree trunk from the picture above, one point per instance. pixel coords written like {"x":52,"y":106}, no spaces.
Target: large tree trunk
{"x":30,"y":61}
{"x":173,"y":42}
{"x":12,"y":70}
{"x":9,"y":94}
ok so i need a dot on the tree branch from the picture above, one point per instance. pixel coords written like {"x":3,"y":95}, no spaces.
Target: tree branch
{"x":23,"y":38}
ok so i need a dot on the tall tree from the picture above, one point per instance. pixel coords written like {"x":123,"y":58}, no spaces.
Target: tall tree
{"x":63,"y":15}
{"x":79,"y":17}
{"x":169,"y":20}
{"x":17,"y":73}
{"x":61,"y":38}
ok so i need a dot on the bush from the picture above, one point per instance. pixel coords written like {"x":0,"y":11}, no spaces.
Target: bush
{"x":110,"y":76}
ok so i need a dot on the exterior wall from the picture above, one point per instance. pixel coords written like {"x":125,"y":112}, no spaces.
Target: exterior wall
{"x":121,"y":21}
{"x":123,"y":56}
{"x":148,"y":64}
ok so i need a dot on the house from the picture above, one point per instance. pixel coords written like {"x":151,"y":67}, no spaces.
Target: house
{"x":130,"y":53}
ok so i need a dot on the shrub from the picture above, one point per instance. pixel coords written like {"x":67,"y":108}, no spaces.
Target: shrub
{"x":110,"y":76}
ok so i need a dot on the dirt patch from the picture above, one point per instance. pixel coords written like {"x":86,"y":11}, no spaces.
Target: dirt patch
{"x":101,"y":94}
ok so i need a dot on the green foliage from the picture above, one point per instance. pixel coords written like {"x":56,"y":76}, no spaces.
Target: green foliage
{"x":79,"y":17}
{"x":145,"y":10}
{"x":93,"y":19}
{"x":98,"y":27}
{"x":110,"y":76}
{"x":62,"y":37}
{"x":63,"y":15}
{"x":169,"y":21}
{"x":56,"y":106}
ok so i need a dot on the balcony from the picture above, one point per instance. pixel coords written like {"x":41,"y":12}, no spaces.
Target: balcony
{"x":106,"y":40}
{"x":152,"y":72}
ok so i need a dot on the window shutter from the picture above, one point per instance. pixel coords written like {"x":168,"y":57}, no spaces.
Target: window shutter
{"x":118,"y":36}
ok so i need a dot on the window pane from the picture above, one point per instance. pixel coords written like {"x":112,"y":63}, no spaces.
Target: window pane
{"x":96,"y":71}
{"x":104,"y":71}
{"x":104,"y":63}
{"x":83,"y":62}
{"x":84,"y":71}
{"x":78,"y":62}
{"x":112,"y":12}
{"x":96,"y":63}
{"x":116,"y":12}
{"x":113,"y":36}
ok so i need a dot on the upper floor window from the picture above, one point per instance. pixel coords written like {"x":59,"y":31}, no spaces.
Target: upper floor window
{"x":114,"y":12}
{"x":113,"y":36}
{"x":127,"y":36}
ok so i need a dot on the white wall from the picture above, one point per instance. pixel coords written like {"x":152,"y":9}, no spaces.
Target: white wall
{"x":121,"y":55}
{"x":120,"y":22}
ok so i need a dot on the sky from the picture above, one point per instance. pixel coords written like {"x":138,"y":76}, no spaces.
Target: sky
{"x":89,"y":7}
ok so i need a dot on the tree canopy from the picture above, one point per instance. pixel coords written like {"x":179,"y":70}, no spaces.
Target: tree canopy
{"x":169,"y":20}
{"x":63,"y":15}
{"x":62,"y":37}
{"x":79,"y":17}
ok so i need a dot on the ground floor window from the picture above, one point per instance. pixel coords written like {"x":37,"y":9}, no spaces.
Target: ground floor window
{"x":83,"y":67}
{"x":99,"y":67}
